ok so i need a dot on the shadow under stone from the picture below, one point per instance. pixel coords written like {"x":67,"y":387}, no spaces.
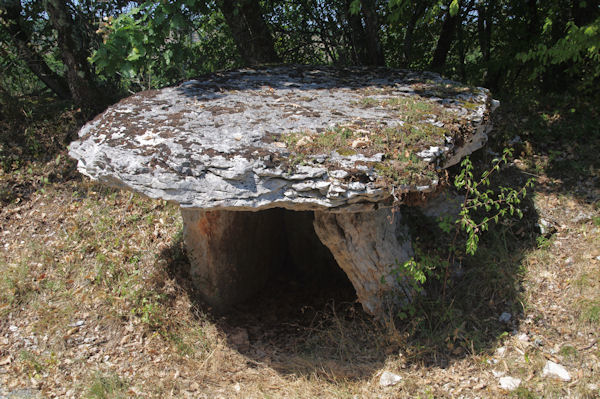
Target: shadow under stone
{"x":302,"y":317}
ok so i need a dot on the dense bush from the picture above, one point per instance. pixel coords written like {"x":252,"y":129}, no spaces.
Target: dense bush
{"x":92,"y":52}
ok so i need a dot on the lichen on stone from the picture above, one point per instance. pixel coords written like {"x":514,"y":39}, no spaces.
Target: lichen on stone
{"x":298,"y":137}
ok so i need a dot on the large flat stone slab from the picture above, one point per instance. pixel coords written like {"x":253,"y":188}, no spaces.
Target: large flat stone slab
{"x":297,"y":137}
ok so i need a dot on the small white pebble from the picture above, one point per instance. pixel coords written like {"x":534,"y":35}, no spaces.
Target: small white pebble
{"x":523,"y":337}
{"x":568,"y":261}
{"x":388,"y":379}
{"x":552,"y":369}
{"x":509,"y":383}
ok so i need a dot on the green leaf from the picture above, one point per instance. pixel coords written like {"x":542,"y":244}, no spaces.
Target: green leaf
{"x":454,"y":6}
{"x":177,"y":22}
{"x":355,"y":7}
{"x":127,"y":70}
{"x":167,"y":55}
{"x":134,"y":54}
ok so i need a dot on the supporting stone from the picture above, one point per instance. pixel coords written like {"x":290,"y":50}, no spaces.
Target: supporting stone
{"x":368,"y":246}
{"x":231,"y":253}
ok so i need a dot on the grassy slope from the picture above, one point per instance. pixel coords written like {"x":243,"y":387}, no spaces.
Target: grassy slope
{"x":72,"y":251}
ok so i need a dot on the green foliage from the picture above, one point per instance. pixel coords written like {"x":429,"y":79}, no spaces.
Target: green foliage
{"x":479,"y":208}
{"x":31,"y":362}
{"x":148,"y":309}
{"x":16,"y":78}
{"x":524,"y":393}
{"x":414,"y":273}
{"x":355,"y":7}
{"x":478,"y":197}
{"x":590,"y":311}
{"x":454,"y":7}
{"x":159,"y":43}
{"x":579,"y":48}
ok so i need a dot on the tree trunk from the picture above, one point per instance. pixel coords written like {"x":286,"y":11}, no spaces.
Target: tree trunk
{"x":249,"y":30}
{"x":419,"y":10}
{"x":374,"y":50}
{"x":484,"y":31}
{"x":445,"y":41}
{"x":20,"y":38}
{"x":79,"y":77}
{"x":484,"y":34}
{"x":461,"y":53}
{"x":357,"y":35}
{"x":533,"y":25}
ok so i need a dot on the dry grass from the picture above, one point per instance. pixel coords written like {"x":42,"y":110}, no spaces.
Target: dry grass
{"x":94,"y":302}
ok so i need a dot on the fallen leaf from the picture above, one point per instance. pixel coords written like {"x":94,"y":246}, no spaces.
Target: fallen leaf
{"x":71,"y":332}
{"x":361,"y":142}
{"x":304,"y":141}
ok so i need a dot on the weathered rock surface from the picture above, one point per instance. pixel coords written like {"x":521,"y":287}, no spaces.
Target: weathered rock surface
{"x":220,"y":142}
{"x":555,"y":370}
{"x":388,"y":379}
{"x":369,"y":247}
{"x":232,"y":253}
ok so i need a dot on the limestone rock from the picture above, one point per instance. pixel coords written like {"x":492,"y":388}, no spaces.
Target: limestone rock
{"x":555,"y":370}
{"x":345,"y":143}
{"x":504,"y":317}
{"x":509,"y":383}
{"x":225,"y":141}
{"x":388,"y":379}
{"x":369,"y":247}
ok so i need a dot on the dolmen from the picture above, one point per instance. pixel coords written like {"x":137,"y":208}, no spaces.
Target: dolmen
{"x":286,"y":159}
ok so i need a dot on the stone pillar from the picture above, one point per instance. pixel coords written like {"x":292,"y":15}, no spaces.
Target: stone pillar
{"x":368,"y":246}
{"x":232,"y":253}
